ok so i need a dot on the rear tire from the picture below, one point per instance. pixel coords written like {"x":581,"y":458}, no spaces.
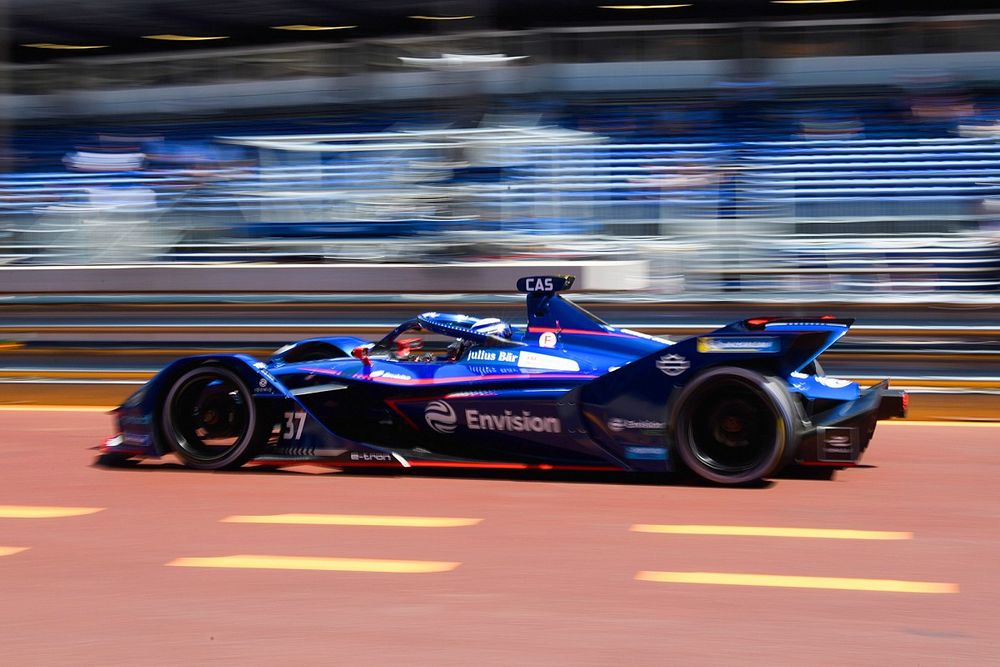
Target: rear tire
{"x":734,"y":426}
{"x":210,"y":420}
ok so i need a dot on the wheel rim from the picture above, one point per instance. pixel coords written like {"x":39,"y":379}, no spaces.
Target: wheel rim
{"x":209,"y":415}
{"x":733,"y":429}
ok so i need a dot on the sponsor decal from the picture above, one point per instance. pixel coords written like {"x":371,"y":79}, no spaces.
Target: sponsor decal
{"x":547,"y":339}
{"x":739,"y":344}
{"x":646,"y":453}
{"x":370,"y":456}
{"x":441,"y":417}
{"x":617,"y":424}
{"x":546,"y":362}
{"x":262,"y":369}
{"x":493,"y":370}
{"x":265,"y":384}
{"x":672,"y":364}
{"x":492,"y":355}
{"x":525,"y":422}
{"x":138,"y":439}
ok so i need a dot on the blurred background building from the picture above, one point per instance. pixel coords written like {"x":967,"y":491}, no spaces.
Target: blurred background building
{"x":833,"y":147}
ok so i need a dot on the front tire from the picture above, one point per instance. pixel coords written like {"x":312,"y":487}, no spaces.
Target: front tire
{"x":734,"y":426}
{"x":210,"y":420}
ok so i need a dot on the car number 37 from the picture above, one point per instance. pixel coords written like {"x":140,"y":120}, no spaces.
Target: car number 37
{"x":294,"y":423}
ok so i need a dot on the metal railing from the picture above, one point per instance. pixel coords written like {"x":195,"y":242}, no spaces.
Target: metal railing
{"x":835,"y":216}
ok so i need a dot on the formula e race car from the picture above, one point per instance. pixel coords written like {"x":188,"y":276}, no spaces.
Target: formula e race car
{"x":567,"y":391}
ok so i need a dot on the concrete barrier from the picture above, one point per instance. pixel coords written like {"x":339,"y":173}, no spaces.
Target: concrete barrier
{"x":624,"y":275}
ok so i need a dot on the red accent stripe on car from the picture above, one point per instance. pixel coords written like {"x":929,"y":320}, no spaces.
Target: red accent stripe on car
{"x":509,"y":466}
{"x":436,"y":464}
{"x":392,"y":404}
{"x":458,"y":378}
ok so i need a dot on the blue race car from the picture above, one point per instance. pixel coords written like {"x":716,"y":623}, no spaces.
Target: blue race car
{"x":566,"y":392}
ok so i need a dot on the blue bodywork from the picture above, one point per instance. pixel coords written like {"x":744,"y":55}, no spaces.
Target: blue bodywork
{"x":566,"y":390}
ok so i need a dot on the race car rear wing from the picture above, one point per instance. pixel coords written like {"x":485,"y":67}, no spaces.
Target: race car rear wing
{"x":762,"y":323}
{"x":798,"y":340}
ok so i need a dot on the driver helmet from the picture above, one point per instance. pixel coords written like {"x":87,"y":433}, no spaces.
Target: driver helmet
{"x":492,"y":326}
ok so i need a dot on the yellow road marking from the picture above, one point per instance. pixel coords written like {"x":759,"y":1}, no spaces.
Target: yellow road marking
{"x":10,"y":551}
{"x":56,"y":408}
{"x":784,"y":581}
{"x":41,"y":512}
{"x":765,"y":531}
{"x":355,"y":520}
{"x":313,"y":563}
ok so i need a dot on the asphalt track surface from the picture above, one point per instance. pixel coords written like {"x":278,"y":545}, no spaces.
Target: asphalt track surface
{"x":134,"y":566}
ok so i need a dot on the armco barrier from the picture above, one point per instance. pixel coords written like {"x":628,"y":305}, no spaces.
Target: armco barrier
{"x":329,"y":278}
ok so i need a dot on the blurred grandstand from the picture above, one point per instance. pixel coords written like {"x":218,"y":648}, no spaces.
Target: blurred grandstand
{"x":832,"y":150}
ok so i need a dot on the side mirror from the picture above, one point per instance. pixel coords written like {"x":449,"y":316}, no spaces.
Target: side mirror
{"x":361,"y":352}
